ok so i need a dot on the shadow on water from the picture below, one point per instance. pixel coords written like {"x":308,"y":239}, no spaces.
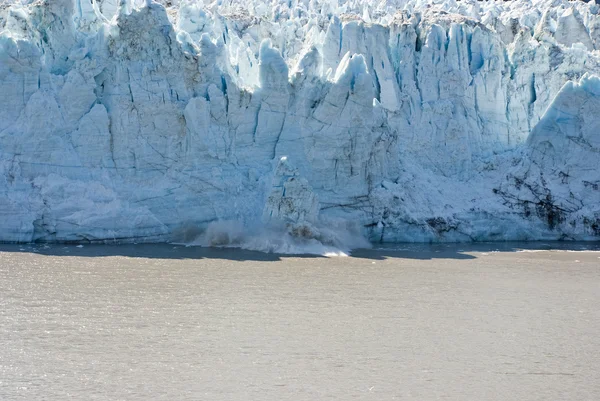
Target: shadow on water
{"x":378,"y":252}
{"x":467,"y":250}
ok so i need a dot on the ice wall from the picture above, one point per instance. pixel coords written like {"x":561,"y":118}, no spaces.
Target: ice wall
{"x":415,"y":120}
{"x":558,"y":178}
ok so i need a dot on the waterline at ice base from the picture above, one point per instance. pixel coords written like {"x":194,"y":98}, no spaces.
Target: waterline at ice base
{"x":299,"y":126}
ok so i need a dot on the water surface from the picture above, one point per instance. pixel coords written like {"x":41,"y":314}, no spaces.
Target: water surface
{"x":158,"y":322}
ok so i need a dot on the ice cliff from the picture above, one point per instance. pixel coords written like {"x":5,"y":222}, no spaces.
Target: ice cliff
{"x":397,"y":120}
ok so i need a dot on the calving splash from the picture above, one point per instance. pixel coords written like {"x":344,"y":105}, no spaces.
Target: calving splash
{"x":299,"y":126}
{"x":304,"y":239}
{"x":289,"y":224}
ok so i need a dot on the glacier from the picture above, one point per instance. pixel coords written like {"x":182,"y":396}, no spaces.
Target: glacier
{"x":324,"y":121}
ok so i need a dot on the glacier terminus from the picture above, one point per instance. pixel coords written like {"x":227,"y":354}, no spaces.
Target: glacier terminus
{"x":271,"y":124}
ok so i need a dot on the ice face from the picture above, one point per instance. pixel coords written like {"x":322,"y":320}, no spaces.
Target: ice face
{"x":558,"y":178}
{"x":412,"y":120}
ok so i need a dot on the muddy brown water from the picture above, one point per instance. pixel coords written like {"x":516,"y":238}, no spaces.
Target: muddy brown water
{"x":162,"y":322}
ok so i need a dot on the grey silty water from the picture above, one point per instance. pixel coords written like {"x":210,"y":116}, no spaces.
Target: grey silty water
{"x":158,"y":322}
